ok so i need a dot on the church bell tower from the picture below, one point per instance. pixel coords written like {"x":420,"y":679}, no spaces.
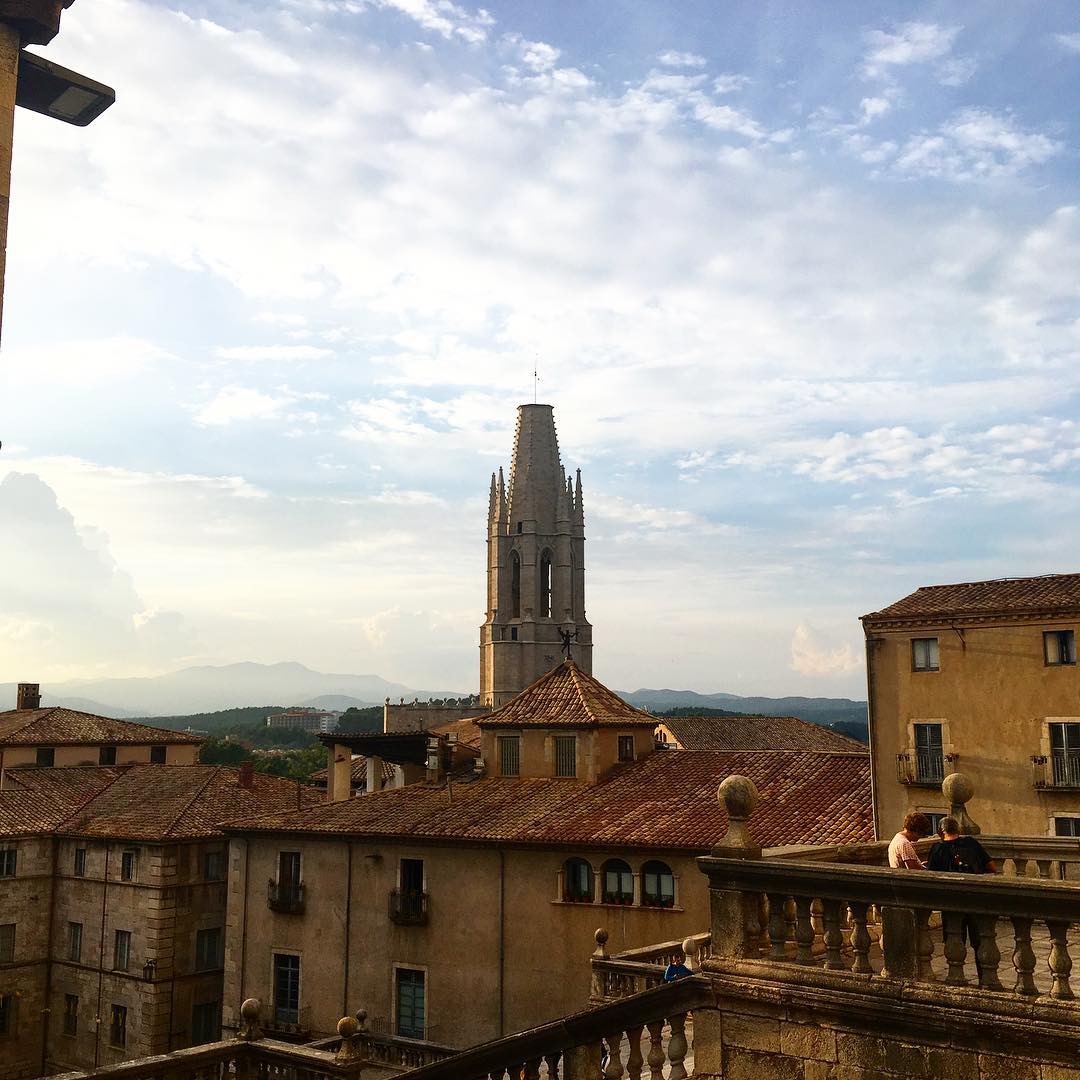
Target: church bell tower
{"x":535,"y":565}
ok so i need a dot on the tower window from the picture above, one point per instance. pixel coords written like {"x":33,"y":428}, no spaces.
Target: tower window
{"x":519,"y":526}
{"x":515,"y":585}
{"x":513,"y":633}
{"x":545,"y":585}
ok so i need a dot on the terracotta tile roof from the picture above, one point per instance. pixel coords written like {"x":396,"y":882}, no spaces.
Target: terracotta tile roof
{"x":566,"y":696}
{"x":466,"y":731}
{"x":37,"y":800}
{"x":68,"y":727}
{"x":755,"y":733}
{"x":664,"y":800}
{"x":140,"y":802}
{"x":1032,"y":595}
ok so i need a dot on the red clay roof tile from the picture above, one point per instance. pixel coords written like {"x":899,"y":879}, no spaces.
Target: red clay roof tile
{"x":68,"y":727}
{"x":755,"y":733}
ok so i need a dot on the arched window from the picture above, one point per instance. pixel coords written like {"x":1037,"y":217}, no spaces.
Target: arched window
{"x":577,"y":882}
{"x":617,"y":882}
{"x":657,"y":885}
{"x":515,"y":585}
{"x":545,"y":585}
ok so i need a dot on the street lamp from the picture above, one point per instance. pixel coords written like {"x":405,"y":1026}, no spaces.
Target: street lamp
{"x":38,"y":84}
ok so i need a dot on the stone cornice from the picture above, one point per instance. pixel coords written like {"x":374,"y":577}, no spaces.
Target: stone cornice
{"x":874,"y":622}
{"x":38,"y":21}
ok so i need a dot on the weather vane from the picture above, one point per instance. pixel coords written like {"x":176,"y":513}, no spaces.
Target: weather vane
{"x":567,"y":637}
{"x":536,"y":380}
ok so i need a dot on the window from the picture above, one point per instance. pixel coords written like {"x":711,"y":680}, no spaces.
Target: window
{"x":617,"y":882}
{"x":1065,"y":754}
{"x":7,"y":1014}
{"x":520,"y":527}
{"x":121,"y":950}
{"x":206,"y":1023}
{"x":509,"y":747}
{"x":515,"y":583}
{"x":1067,"y":826}
{"x":935,"y":817}
{"x":157,"y":755}
{"x":565,"y":755}
{"x":577,"y":882}
{"x":7,"y":942}
{"x":924,"y":654}
{"x":929,"y":762}
{"x":286,"y":989}
{"x":71,"y":1014}
{"x":118,"y":1025}
{"x":1059,"y":647}
{"x":127,"y":865}
{"x":288,"y":867}
{"x":9,"y":858}
{"x":545,"y":585}
{"x":45,"y":757}
{"x":213,"y":866}
{"x":657,"y":885}
{"x":80,"y":862}
{"x":107,"y":755}
{"x":626,"y":747}
{"x":75,"y":942}
{"x":208,"y":949}
{"x":513,"y":633}
{"x":410,"y":1003}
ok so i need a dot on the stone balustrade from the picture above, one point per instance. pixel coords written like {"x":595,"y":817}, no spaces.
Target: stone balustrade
{"x":644,"y":1036}
{"x":634,"y":970}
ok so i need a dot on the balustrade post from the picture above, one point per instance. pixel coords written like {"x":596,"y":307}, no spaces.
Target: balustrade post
{"x":860,"y":938}
{"x":677,"y":1047}
{"x":249,"y":1029}
{"x":582,"y":1063}
{"x":635,"y":1061}
{"x":834,"y":940}
{"x":987,"y":955}
{"x":1044,"y":866}
{"x":599,"y":990}
{"x":1020,"y":866}
{"x":613,"y":1070}
{"x":1023,"y":957}
{"x":552,"y":1063}
{"x":736,"y":930}
{"x":952,"y":924}
{"x":778,"y":927}
{"x":656,"y":1056}
{"x":531,"y":1070}
{"x":1059,"y":960}
{"x":924,"y":947}
{"x":899,"y":942}
{"x":804,"y":931}
{"x":349,"y":1052}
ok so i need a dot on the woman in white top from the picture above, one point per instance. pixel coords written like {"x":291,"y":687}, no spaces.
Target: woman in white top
{"x":902,"y":853}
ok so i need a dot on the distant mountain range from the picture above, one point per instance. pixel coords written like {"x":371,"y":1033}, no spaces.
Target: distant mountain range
{"x":209,"y":689}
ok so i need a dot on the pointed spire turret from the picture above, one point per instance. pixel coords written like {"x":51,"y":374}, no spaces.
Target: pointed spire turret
{"x":579,"y":505}
{"x":493,"y":503}
{"x":502,"y":498}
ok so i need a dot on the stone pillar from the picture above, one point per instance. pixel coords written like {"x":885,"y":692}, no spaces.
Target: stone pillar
{"x":339,"y":774}
{"x":374,"y":774}
{"x":899,"y":942}
{"x":958,"y":789}
{"x":735,"y":918}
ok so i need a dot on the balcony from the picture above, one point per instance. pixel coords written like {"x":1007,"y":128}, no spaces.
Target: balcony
{"x":285,"y":896}
{"x":408,"y":908}
{"x":924,"y":768}
{"x":1060,"y":770}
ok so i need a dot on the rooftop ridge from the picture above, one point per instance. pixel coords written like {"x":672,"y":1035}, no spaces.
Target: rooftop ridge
{"x":215,"y":771}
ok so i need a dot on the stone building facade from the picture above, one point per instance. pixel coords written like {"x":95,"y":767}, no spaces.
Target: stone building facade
{"x":979,"y":677}
{"x":457,"y":910}
{"x":112,"y":909}
{"x":535,"y":564}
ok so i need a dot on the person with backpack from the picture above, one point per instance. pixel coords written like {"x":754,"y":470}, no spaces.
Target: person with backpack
{"x":956,"y":854}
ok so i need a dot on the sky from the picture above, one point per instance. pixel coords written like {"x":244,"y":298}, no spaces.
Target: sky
{"x":802,"y":282}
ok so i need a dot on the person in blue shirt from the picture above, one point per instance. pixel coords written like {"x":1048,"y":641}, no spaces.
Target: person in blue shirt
{"x":677,"y":969}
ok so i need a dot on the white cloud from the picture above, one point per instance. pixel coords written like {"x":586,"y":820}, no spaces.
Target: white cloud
{"x":672,"y":58}
{"x":956,"y":71}
{"x":443,"y":17}
{"x":729,"y":83}
{"x":272,"y":352}
{"x":1069,"y":42}
{"x":873,"y":108}
{"x":812,"y":658}
{"x":911,"y":43}
{"x":233,"y":403}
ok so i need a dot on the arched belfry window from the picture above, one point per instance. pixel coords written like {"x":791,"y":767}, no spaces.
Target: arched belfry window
{"x":515,"y":585}
{"x":545,"y":585}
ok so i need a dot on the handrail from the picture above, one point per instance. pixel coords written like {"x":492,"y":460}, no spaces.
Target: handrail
{"x":579,"y":1029}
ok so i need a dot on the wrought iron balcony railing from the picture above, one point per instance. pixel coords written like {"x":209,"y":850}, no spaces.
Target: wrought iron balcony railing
{"x":408,"y":908}
{"x":285,"y":896}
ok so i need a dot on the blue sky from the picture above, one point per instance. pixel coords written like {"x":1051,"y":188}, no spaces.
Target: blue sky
{"x":800,"y":280}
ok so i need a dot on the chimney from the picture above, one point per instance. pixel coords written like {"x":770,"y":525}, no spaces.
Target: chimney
{"x":247,"y":775}
{"x":29,"y":696}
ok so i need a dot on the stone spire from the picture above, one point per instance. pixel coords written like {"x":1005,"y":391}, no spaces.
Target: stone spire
{"x":536,"y":564}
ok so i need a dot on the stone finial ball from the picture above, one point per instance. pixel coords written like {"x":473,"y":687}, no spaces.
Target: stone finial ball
{"x":601,"y":936}
{"x":347,"y":1027}
{"x":957,"y":788}
{"x":249,"y":1011}
{"x":361,"y":1016}
{"x":739,"y":796}
{"x":689,"y":947}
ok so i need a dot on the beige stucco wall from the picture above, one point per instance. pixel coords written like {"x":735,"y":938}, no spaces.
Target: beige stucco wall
{"x":501,"y":952}
{"x":993,"y":692}
{"x":597,"y":749}
{"x":64,"y":756}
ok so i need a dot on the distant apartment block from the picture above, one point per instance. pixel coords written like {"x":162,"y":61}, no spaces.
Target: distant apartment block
{"x":317,"y":721}
{"x":979,"y":678}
